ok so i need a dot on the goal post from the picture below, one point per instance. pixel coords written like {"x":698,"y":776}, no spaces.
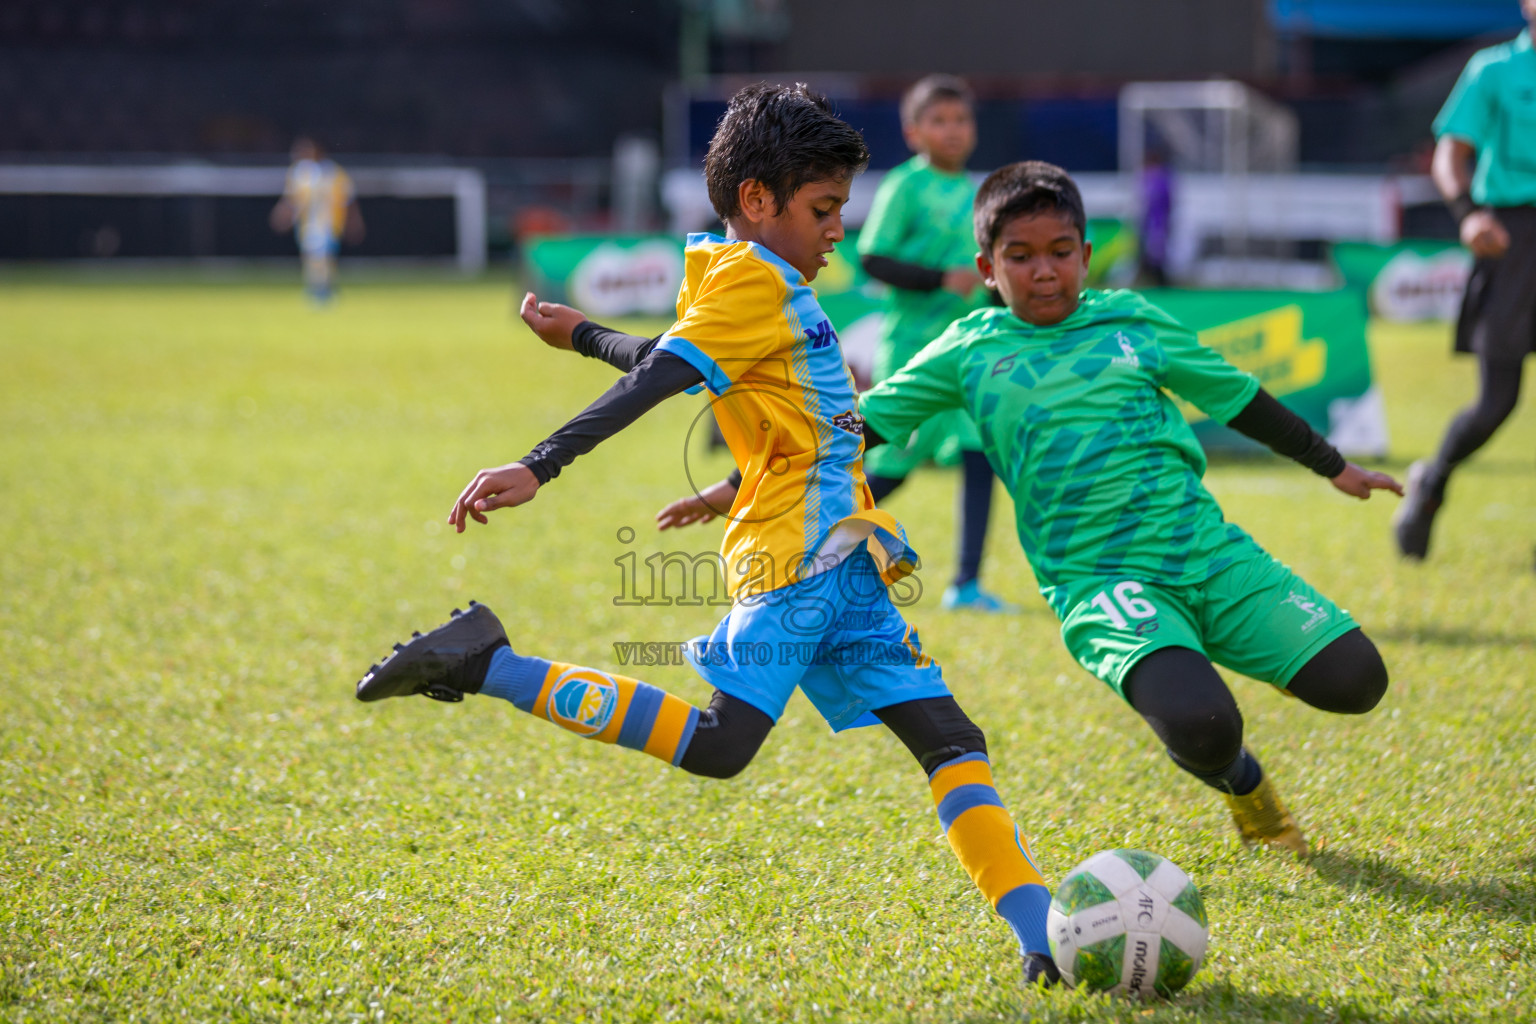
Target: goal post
{"x":197,"y":231}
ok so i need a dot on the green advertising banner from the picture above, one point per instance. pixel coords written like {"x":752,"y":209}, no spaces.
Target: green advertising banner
{"x":1411,"y":280}
{"x":627,"y":276}
{"x":607,"y":276}
{"x":1307,"y":348}
{"x":1116,"y":253}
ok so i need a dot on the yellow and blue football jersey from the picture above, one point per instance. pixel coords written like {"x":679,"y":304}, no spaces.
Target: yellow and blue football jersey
{"x":785,"y":402}
{"x":320,"y":192}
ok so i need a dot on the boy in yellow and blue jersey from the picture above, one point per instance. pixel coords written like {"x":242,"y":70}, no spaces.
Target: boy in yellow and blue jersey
{"x":806,"y":553}
{"x":319,"y":205}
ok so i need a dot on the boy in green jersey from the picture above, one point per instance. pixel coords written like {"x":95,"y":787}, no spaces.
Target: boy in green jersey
{"x":1151,"y":584}
{"x":1131,"y":551}
{"x":917,"y":240}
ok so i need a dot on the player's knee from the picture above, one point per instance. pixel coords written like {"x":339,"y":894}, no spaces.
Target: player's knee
{"x":726,"y":739}
{"x":716,"y":760}
{"x":1204,"y":737}
{"x":1347,"y":677}
{"x":1369,"y":678}
{"x":1496,"y":408}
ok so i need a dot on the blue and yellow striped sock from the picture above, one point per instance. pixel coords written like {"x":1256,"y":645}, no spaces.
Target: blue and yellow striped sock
{"x":983,"y":835}
{"x":594,"y":704}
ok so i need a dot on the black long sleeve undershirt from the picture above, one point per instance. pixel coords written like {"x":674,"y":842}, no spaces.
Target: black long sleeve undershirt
{"x":654,"y":378}
{"x":617,"y":349}
{"x":1268,"y":422}
{"x":899,"y":274}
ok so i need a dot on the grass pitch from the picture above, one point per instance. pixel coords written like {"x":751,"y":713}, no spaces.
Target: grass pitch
{"x":221,"y":506}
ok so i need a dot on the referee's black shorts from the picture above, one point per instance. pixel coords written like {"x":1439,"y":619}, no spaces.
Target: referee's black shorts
{"x":1498,"y":312}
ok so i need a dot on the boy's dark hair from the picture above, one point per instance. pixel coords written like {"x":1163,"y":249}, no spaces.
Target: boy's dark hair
{"x":783,"y":136}
{"x":928,"y":91}
{"x":1024,"y":190}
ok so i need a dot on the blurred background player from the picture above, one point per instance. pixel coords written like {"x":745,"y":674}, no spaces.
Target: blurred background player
{"x":917,"y":240}
{"x":1485,"y":167}
{"x":1156,"y":221}
{"x":320,"y":206}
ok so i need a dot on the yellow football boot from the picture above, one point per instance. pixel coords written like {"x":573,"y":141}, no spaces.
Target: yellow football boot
{"x":1261,"y":817}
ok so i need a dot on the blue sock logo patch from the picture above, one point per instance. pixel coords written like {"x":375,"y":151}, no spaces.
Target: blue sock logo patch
{"x":583,"y":701}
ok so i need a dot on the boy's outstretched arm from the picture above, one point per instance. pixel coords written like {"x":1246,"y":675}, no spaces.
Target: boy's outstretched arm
{"x":658,"y":377}
{"x":1268,"y":422}
{"x":567,"y":328}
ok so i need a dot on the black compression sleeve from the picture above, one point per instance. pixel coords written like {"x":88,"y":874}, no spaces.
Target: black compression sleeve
{"x":1268,"y":422}
{"x":934,"y":729}
{"x":911,"y":276}
{"x":616,"y":348}
{"x":658,"y":377}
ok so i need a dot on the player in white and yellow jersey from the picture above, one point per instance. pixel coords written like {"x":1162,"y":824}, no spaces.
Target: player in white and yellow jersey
{"x":319,"y":205}
{"x":806,"y":554}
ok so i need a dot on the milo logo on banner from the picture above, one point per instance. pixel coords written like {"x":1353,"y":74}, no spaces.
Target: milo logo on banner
{"x":614,"y":280}
{"x":1272,"y":347}
{"x":1412,"y":287}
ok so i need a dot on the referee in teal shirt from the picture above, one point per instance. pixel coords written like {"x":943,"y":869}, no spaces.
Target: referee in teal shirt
{"x":1485,"y":167}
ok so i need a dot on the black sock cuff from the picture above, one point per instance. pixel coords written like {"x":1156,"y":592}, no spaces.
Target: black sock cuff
{"x":1239,"y":778}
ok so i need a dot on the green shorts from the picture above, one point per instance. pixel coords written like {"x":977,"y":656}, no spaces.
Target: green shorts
{"x":1255,"y":616}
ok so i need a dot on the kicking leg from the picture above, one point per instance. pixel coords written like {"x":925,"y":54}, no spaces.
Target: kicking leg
{"x":953,"y":751}
{"x":470,"y":654}
{"x":1181,"y":696}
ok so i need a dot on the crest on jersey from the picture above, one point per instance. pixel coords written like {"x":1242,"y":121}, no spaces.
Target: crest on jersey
{"x":849,"y":421}
{"x":1128,"y":356}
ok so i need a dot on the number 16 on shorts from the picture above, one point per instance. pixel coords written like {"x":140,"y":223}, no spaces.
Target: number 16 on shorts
{"x":1125,"y":608}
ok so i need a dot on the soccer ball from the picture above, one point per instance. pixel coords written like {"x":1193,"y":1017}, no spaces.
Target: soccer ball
{"x":1128,"y":922}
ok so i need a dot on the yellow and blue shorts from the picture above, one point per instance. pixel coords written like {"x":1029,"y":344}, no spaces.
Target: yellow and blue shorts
{"x":1255,"y":616}
{"x":837,"y":636}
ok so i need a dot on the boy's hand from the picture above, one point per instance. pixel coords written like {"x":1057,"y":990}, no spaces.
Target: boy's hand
{"x":962,"y":281}
{"x":1359,"y":483}
{"x":552,"y":322}
{"x":504,"y":487}
{"x":699,"y":508}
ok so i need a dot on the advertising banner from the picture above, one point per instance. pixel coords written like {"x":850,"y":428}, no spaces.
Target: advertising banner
{"x":1412,"y":280}
{"x":1308,"y":349}
{"x":605,"y":276}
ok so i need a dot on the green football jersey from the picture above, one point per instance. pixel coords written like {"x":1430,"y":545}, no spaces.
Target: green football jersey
{"x":1103,"y":469}
{"x":921,"y":215}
